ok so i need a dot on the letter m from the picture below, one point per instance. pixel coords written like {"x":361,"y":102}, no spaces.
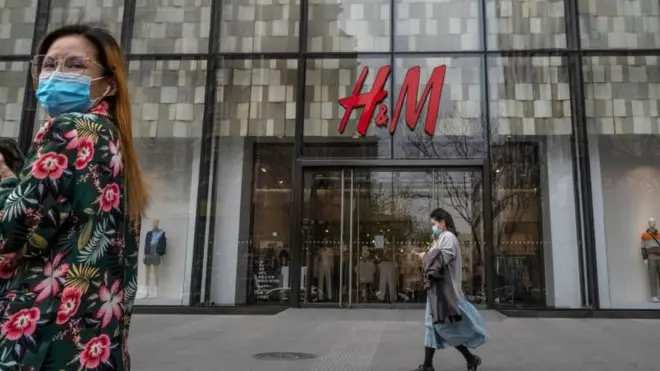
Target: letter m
{"x":413,"y":106}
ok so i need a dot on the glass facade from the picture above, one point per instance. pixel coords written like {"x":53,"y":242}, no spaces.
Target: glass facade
{"x":296,"y":148}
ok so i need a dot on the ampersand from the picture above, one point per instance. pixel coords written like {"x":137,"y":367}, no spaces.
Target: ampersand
{"x":381,"y":117}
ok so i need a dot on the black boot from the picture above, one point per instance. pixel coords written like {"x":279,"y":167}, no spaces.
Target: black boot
{"x":428,"y":360}
{"x":473,"y":361}
{"x":423,"y":368}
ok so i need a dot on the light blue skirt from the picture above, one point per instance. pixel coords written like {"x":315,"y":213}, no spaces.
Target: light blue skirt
{"x":470,"y":331}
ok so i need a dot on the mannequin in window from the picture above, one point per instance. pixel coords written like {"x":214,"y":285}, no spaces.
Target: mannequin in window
{"x":387,"y":277}
{"x":366,"y":271}
{"x":155,"y":245}
{"x":651,"y":254}
{"x":325,"y":263}
{"x":411,"y":272}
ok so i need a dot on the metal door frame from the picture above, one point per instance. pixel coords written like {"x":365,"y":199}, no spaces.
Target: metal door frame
{"x":475,"y":165}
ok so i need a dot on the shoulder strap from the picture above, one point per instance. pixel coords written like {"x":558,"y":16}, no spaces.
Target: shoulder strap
{"x":654,"y":239}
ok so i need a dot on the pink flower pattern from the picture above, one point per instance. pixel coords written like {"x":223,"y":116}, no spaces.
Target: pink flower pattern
{"x":70,"y":296}
{"x":112,"y":299}
{"x":55,"y":274}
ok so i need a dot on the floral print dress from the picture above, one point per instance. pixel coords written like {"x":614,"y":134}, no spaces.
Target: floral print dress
{"x":68,"y":251}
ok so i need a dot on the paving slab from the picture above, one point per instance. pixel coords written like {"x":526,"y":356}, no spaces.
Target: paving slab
{"x":385,"y":340}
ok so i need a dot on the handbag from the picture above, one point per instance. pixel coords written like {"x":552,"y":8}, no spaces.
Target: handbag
{"x":655,"y":250}
{"x":11,"y":152}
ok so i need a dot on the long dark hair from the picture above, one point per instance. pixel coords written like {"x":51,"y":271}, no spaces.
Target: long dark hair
{"x":440,"y":214}
{"x":109,"y":55}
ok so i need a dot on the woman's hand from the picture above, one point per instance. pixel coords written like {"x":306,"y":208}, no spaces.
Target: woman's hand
{"x":5,"y":171}
{"x":420,"y":255}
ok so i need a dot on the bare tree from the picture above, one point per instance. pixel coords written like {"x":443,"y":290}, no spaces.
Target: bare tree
{"x":514,"y":180}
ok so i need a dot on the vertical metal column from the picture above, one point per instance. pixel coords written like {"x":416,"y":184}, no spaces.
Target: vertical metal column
{"x":341,"y":242}
{"x":296,"y":173}
{"x":580,"y":156}
{"x":127,"y":25}
{"x":205,"y":204}
{"x":350,"y":242}
{"x":29,"y":109}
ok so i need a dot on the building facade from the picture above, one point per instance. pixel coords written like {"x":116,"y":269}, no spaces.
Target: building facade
{"x":282,"y":173}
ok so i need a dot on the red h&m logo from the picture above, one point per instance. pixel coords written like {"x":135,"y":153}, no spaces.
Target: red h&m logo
{"x":373,"y":99}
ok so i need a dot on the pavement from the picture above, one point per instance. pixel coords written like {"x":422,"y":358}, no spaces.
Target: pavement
{"x":385,"y":340}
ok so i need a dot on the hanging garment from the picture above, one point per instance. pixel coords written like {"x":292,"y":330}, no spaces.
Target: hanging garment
{"x":325,"y":282}
{"x":386,"y":282}
{"x":365,"y":271}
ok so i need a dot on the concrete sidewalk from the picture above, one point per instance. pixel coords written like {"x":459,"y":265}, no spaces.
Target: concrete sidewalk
{"x":385,"y":340}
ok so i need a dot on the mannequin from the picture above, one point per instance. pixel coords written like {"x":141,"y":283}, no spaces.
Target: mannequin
{"x":651,"y":254}
{"x":155,"y":245}
{"x":411,"y":272}
{"x":387,"y":277}
{"x":365,"y":270}
{"x":325,"y":264}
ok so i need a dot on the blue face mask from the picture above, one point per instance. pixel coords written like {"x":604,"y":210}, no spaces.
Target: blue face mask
{"x":436,"y":230}
{"x":61,"y":93}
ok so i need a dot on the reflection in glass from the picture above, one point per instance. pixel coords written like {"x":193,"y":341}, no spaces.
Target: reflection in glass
{"x":362,"y":228}
{"x":268,"y":267}
{"x":171,"y":26}
{"x":460,"y":131}
{"x":517,"y":224}
{"x":349,"y":25}
{"x":167,"y":121}
{"x":256,"y":98}
{"x":612,"y":24}
{"x":17,"y":26}
{"x":108,"y":13}
{"x":12,"y":90}
{"x":424,"y":25}
{"x":533,"y":198}
{"x":525,"y":24}
{"x":251,"y":26}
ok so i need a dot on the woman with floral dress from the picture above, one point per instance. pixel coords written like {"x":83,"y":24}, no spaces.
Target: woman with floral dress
{"x":69,"y":220}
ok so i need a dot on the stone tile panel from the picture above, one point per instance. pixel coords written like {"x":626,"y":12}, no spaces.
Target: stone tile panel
{"x":606,"y":24}
{"x":436,"y":25}
{"x":12,"y":89}
{"x":17,"y":18}
{"x":171,"y":26}
{"x":525,"y":24}
{"x":252,"y":26}
{"x":168,"y":98}
{"x":103,"y":13}
{"x":622,"y":94}
{"x":256,"y":98}
{"x":529,"y":96}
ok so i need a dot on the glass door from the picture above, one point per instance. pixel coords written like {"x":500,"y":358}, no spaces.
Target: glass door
{"x":362,"y":227}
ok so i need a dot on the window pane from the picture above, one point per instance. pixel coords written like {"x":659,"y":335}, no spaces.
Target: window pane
{"x":349,"y":25}
{"x":256,"y":98}
{"x":12,"y":90}
{"x":458,"y":131}
{"x":171,"y":26}
{"x":608,"y":24}
{"x":168,"y":104}
{"x":434,"y":25}
{"x":525,"y":24}
{"x":329,"y":80}
{"x":533,"y":199}
{"x":254,"y":129}
{"x":251,"y":26}
{"x":17,"y":20}
{"x":622,"y":97}
{"x":106,"y":13}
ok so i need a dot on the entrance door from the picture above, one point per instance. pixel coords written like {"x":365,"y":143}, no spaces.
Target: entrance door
{"x":361,"y":228}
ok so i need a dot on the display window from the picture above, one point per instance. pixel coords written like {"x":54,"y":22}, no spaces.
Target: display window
{"x":624,"y":148}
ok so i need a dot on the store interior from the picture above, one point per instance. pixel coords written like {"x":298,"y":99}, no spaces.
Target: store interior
{"x":626,"y":194}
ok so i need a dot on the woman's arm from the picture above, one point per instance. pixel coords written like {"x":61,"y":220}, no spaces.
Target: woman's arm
{"x":36,"y":203}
